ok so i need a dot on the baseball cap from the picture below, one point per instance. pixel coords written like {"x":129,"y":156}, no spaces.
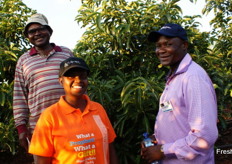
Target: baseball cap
{"x":169,"y":30}
{"x":72,"y":62}
{"x":37,"y":18}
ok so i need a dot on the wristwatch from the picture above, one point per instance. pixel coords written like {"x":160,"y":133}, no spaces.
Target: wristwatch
{"x":162,"y":149}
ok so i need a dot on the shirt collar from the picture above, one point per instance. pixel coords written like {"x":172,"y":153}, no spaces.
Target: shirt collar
{"x":68,"y":109}
{"x":183,"y":66}
{"x":33,"y":51}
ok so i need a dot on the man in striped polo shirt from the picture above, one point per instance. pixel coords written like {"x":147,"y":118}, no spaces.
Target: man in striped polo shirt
{"x":36,"y":84}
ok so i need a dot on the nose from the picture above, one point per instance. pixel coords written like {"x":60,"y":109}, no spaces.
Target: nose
{"x":37,"y":32}
{"x":159,"y":50}
{"x":77,"y":79}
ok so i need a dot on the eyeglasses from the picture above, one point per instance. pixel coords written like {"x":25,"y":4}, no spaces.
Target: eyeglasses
{"x":40,"y":29}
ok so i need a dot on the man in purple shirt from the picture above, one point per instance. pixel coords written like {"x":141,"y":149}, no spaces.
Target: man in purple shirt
{"x":186,"y":124}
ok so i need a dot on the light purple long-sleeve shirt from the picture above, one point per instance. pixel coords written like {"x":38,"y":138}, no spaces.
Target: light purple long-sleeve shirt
{"x":188,"y":127}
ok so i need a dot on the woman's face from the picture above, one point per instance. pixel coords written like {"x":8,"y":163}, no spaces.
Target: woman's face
{"x":75,"y":82}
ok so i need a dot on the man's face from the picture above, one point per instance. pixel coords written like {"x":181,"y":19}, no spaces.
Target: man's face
{"x":38,"y":35}
{"x":170,"y":50}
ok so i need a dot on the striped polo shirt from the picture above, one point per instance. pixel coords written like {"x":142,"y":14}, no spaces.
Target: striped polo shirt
{"x":36,"y":84}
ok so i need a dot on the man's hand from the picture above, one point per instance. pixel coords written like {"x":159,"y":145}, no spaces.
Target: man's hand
{"x":152,"y":153}
{"x":24,"y":139}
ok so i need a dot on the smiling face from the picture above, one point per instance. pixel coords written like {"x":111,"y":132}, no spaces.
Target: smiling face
{"x":38,"y":35}
{"x":170,"y":50}
{"x":75,"y":83}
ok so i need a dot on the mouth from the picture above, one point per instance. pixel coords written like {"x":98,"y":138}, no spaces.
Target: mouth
{"x":38,"y":39}
{"x":163,"y":58}
{"x":77,"y":87}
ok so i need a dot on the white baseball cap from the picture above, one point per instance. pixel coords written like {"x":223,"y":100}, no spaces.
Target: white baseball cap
{"x":37,"y":18}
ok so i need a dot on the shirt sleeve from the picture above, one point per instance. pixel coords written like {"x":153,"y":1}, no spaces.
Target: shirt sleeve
{"x":67,"y":50}
{"x":20,"y":96}
{"x":202,"y":118}
{"x":41,"y":142}
{"x":111,"y":132}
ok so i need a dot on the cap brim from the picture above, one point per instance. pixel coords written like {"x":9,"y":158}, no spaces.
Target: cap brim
{"x":154,"y":36}
{"x":73,"y":66}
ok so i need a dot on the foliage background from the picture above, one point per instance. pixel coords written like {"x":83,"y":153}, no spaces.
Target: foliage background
{"x":126,"y":77}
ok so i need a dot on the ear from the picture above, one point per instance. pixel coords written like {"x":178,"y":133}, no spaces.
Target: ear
{"x":50,"y":31}
{"x":61,"y":81}
{"x":185,"y":45}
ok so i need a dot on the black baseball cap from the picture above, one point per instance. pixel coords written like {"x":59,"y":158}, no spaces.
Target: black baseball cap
{"x":169,"y":30}
{"x":72,"y":62}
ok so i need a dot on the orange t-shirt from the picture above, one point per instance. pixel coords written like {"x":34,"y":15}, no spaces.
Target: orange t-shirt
{"x":70,"y":136}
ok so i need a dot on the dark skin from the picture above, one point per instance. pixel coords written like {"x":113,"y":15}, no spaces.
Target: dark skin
{"x":40,"y":39}
{"x":152,"y":153}
{"x":170,"y":52}
{"x":75,"y":83}
{"x":24,"y":137}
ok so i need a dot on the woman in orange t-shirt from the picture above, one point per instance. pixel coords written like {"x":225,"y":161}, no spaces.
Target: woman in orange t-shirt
{"x":75,"y":129}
